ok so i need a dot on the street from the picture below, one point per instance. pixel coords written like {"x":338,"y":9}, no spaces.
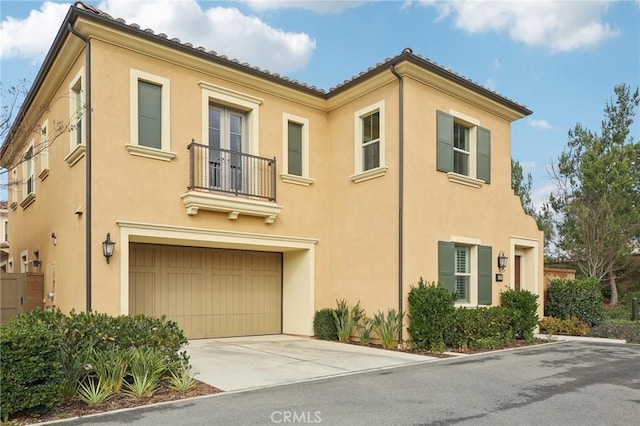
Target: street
{"x":568,"y":383}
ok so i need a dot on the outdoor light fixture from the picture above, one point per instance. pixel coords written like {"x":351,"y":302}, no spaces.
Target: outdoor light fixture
{"x":502,"y":261}
{"x":108,"y":246}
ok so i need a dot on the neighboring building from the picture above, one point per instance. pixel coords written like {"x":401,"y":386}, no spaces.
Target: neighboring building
{"x":241,"y":201}
{"x":4,"y":237}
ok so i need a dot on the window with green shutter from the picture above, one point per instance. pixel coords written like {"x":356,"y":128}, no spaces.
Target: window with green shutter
{"x":458,"y":142}
{"x":294,"y":141}
{"x":463,"y":267}
{"x":485,"y":275}
{"x":149,"y":115}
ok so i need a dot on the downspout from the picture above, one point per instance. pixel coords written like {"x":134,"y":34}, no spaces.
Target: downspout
{"x":88,"y":162}
{"x":400,"y":189}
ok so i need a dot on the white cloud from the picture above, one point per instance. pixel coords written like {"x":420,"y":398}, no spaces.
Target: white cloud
{"x":540,"y":193}
{"x":317,"y":6}
{"x":490,"y":84}
{"x":539,"y":124}
{"x":222,"y":29}
{"x":557,"y":25}
{"x":496,"y":64}
{"x":31,"y":37}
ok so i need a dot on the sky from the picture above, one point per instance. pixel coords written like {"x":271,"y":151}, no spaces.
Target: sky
{"x":562,"y":59}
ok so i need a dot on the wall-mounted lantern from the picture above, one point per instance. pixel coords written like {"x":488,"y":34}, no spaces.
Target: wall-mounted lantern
{"x":502,"y":261}
{"x":107,"y":247}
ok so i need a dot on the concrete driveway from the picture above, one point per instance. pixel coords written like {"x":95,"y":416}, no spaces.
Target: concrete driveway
{"x":241,"y":363}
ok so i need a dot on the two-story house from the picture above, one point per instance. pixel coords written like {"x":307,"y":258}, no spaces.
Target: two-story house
{"x":240,"y":201}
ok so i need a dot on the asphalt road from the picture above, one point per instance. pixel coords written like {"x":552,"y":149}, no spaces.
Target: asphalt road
{"x":570,"y":383}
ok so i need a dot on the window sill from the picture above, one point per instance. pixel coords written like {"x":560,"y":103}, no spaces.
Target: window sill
{"x":233,"y":206}
{"x":369,"y":174}
{"x":464,"y":180}
{"x":13,"y":205}
{"x":75,"y":155}
{"x":28,"y":200}
{"x":43,"y":174}
{"x":145,"y":151}
{"x":297,"y":180}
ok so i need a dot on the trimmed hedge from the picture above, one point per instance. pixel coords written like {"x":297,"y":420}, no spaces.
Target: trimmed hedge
{"x":431,"y":315}
{"x":30,"y":368}
{"x":524,"y":307}
{"x":580,"y":298}
{"x":324,"y":325}
{"x":483,"y":328}
{"x":629,"y":331}
{"x":566,"y":327}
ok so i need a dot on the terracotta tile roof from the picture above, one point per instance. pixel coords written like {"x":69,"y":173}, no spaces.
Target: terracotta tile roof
{"x":406,"y":53}
{"x":3,"y":204}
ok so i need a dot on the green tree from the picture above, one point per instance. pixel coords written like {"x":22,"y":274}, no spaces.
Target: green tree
{"x":597,"y":196}
{"x":521,"y":186}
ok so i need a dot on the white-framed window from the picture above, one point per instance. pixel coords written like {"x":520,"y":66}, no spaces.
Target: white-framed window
{"x":77,"y":135}
{"x":227,"y":137}
{"x":14,"y":189}
{"x":150,"y":116}
{"x":232,"y":100}
{"x":463,"y":273}
{"x":44,"y":150}
{"x":295,"y":152}
{"x":465,"y":267}
{"x":28,"y":177}
{"x":463,"y":149}
{"x":369,"y":143}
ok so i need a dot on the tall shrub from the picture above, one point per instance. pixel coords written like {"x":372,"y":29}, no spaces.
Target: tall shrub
{"x":580,"y":298}
{"x":482,"y":328}
{"x":431,"y":315}
{"x":523,"y":307}
{"x":324,"y":325}
{"x":30,"y":368}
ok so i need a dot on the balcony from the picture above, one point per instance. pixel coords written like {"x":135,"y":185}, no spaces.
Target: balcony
{"x":231,"y":182}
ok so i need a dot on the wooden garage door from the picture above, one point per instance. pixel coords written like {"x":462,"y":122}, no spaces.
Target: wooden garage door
{"x":208,"y":292}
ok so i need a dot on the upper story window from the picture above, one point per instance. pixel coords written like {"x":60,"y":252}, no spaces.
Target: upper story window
{"x":150,"y":132}
{"x":44,"y":150}
{"x":463,"y":149}
{"x":28,"y":178}
{"x":5,"y":230}
{"x":369,"y":143}
{"x":295,"y":168}
{"x":77,"y":134}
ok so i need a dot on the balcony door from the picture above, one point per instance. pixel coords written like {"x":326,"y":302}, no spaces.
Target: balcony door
{"x":227,"y":131}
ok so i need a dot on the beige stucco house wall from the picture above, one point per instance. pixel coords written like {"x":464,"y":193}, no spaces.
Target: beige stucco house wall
{"x":340,"y":228}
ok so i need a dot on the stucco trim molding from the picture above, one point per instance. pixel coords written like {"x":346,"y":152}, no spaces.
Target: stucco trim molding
{"x":297,"y":180}
{"x":233,"y":206}
{"x":147,"y":152}
{"x":369,"y":174}
{"x":75,"y":155}
{"x":464,"y":180}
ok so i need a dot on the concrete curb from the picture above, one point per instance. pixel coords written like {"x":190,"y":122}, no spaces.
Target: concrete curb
{"x":557,"y":337}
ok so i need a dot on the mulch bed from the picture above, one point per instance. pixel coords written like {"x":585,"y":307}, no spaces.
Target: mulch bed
{"x":76,"y":408}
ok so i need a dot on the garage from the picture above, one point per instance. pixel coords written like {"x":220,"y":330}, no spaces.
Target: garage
{"x":208,"y":292}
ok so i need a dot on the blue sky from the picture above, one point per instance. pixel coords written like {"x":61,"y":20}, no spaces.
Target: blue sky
{"x":560,"y":58}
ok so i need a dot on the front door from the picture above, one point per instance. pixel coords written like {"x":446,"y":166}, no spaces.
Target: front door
{"x":226,"y":134}
{"x":517,"y":272}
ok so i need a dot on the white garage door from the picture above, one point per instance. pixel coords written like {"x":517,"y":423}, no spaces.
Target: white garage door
{"x":208,"y":292}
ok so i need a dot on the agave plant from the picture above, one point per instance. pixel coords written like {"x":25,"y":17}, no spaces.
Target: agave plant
{"x":388,"y":328}
{"x":146,"y":368}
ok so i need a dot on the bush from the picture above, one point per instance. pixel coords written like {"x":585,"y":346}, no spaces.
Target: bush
{"x":483,"y":328}
{"x":566,"y":327}
{"x":431,"y":315}
{"x":627,"y":299}
{"x":388,"y":328}
{"x":629,"y":331}
{"x":324,"y":325}
{"x":524,"y":310}
{"x":30,"y":368}
{"x":580,"y":298}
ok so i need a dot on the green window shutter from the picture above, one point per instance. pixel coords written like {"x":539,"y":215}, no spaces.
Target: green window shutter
{"x":484,"y":154}
{"x":149,"y":115}
{"x":294,"y":150}
{"x":446,"y":265}
{"x":444,"y":148}
{"x":485,"y":281}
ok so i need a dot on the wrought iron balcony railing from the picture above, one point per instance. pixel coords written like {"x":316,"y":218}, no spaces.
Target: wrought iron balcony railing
{"x":235,"y":173}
